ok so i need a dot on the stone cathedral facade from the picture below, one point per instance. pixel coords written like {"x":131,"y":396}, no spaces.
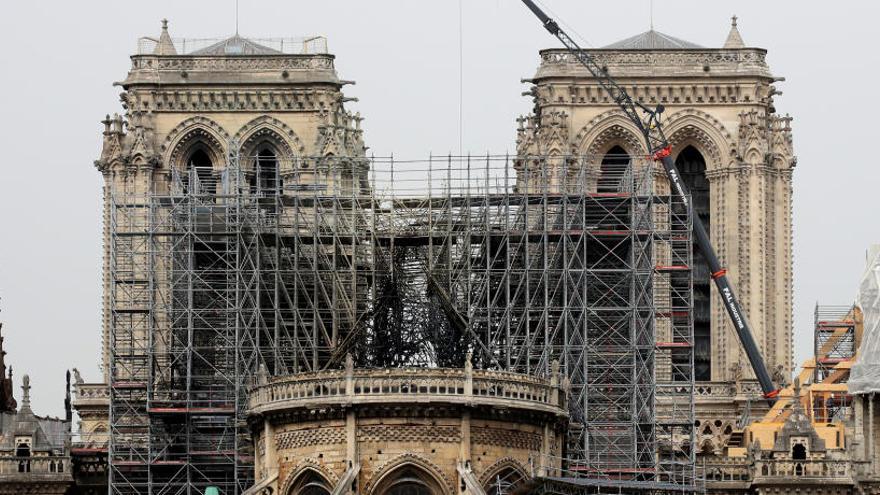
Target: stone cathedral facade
{"x":195,"y":119}
{"x":735,"y":153}
{"x":186,"y":111}
{"x":198,"y":110}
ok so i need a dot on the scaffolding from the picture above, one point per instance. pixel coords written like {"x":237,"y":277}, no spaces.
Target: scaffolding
{"x":291,"y":265}
{"x":834,"y":339}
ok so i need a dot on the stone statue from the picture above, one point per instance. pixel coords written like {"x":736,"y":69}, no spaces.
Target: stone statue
{"x":77,"y":378}
{"x":779,"y":377}
{"x":736,"y":371}
{"x":262,"y":373}
{"x":754,"y":452}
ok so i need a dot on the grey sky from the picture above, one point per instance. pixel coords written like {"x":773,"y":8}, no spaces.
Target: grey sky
{"x":59,"y":59}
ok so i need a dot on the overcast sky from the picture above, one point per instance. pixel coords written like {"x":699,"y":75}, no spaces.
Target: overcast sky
{"x":60,"y":58}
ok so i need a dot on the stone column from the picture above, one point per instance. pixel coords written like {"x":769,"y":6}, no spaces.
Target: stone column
{"x":270,"y":458}
{"x":351,"y":450}
{"x":464,"y":453}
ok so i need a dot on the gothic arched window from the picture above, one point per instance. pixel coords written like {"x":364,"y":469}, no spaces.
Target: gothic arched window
{"x":612,"y":169}
{"x":692,"y":167}
{"x":310,"y":483}
{"x":200,"y":162}
{"x":266,"y":170}
{"x":409,"y":487}
{"x":314,"y":490}
{"x":409,"y":480}
{"x":504,"y":481}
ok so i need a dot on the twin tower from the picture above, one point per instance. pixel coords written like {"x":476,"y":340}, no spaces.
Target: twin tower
{"x":207,"y":121}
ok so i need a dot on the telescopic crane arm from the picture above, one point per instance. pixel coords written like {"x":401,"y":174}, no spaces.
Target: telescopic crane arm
{"x":647,"y":120}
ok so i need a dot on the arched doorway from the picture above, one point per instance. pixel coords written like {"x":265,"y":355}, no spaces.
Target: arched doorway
{"x":409,"y":479}
{"x":692,"y":167}
{"x":612,"y":169}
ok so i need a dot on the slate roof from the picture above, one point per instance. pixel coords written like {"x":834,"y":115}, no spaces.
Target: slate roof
{"x":236,"y":45}
{"x":652,"y":40}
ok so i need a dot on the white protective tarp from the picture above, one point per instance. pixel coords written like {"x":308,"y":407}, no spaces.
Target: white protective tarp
{"x":864,"y":377}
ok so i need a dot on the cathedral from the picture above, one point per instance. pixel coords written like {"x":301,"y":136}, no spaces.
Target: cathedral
{"x":274,"y":324}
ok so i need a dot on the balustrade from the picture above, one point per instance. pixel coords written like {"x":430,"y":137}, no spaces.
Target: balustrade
{"x":773,"y":470}
{"x":805,"y":469}
{"x":402,"y":385}
{"x":55,"y":465}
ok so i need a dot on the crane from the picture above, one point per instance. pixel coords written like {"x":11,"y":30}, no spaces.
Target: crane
{"x":647,"y":120}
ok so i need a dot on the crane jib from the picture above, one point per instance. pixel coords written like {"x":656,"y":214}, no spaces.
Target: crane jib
{"x":734,"y":311}
{"x":676,"y":181}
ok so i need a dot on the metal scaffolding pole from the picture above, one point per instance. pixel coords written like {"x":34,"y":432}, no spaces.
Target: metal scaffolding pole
{"x":290,"y":264}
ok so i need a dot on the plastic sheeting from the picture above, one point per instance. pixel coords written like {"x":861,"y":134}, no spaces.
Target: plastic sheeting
{"x":864,"y":377}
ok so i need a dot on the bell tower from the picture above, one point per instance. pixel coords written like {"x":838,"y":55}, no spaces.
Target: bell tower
{"x":732,"y":148}
{"x":213,"y":137}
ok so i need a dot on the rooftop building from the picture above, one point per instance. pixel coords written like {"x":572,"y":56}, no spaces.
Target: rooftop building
{"x":34,"y":453}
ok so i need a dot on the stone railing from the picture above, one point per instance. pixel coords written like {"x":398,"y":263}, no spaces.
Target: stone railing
{"x":777,"y":469}
{"x":241,"y":63}
{"x":35,"y":467}
{"x":91,"y":394}
{"x":704,"y":389}
{"x":726,"y":471}
{"x":712,"y":390}
{"x":407,"y":386}
{"x":744,"y":61}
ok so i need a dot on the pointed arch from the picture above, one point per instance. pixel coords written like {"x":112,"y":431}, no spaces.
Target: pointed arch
{"x":191,"y":132}
{"x":410,"y":468}
{"x":308,"y":482}
{"x":607,"y":130}
{"x":705,"y":133}
{"x":507,"y":469}
{"x":308,"y":475}
{"x":265,"y":128}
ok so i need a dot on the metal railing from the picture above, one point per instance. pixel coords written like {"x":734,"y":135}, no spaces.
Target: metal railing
{"x":311,"y":45}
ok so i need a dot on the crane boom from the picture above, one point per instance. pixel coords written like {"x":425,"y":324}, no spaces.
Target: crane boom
{"x":647,"y":120}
